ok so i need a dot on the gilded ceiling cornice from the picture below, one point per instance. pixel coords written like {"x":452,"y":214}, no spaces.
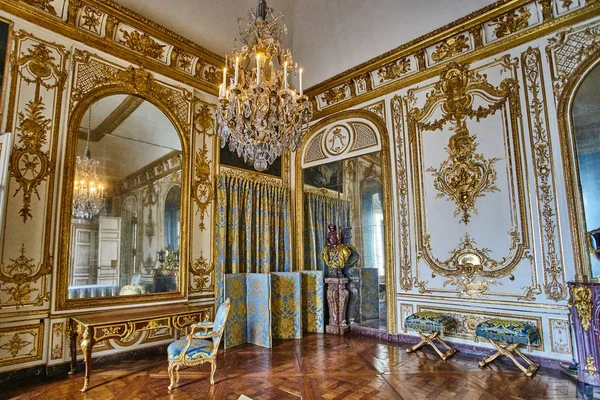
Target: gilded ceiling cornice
{"x":472,"y":23}
{"x":117,"y":15}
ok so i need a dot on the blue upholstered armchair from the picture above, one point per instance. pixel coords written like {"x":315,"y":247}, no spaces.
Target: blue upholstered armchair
{"x":196,"y":348}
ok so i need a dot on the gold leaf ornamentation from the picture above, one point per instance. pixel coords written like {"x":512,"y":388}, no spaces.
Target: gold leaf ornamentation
{"x":335,"y":95}
{"x":20,"y":274}
{"x":393,"y":70}
{"x":43,"y":5}
{"x":581,"y":299}
{"x":530,"y":292}
{"x":566,"y":3}
{"x":143,"y":43}
{"x":511,"y":22}
{"x":470,"y":286}
{"x":406,"y":280}
{"x":30,"y":165}
{"x":16,"y":344}
{"x":590,"y":368}
{"x":204,"y":120}
{"x":201,"y":271}
{"x":450,"y":47}
{"x":202,"y":188}
{"x":91,"y":19}
{"x":541,"y":149}
{"x":211,"y":74}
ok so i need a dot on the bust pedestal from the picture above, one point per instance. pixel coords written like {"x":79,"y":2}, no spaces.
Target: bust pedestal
{"x":584,"y":305}
{"x":337,"y":299}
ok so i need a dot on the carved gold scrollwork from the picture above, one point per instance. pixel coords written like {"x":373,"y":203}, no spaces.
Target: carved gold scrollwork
{"x":511,"y":22}
{"x":590,"y":368}
{"x":149,"y":199}
{"x":581,"y":299}
{"x":335,"y":95}
{"x":450,"y":47}
{"x":143,"y":43}
{"x":541,"y":147}
{"x":44,"y":5}
{"x":406,"y":279}
{"x":20,"y":274}
{"x":91,"y":19}
{"x":393,"y":70}
{"x":201,"y":271}
{"x":202,"y":188}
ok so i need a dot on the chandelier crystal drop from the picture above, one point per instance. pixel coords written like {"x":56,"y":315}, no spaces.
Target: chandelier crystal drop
{"x":88,"y":191}
{"x":258,"y":114}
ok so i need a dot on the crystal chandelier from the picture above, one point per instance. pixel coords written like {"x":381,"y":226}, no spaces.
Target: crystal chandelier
{"x":88,"y":192}
{"x":258,"y":114}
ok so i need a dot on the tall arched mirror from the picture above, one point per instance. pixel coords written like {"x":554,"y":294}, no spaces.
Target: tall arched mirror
{"x":340,"y":194}
{"x":586,"y":128}
{"x":125,"y":222}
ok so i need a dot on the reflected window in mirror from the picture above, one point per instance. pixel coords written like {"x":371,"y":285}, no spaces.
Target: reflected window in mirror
{"x":126,"y":211}
{"x":586,"y":124}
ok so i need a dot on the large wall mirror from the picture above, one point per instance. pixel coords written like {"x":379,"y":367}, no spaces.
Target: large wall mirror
{"x":126,"y":202}
{"x":341,"y":182}
{"x":586,"y":128}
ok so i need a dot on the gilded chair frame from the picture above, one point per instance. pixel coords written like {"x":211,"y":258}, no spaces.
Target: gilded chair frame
{"x":390,"y":270}
{"x":64,"y":247}
{"x":183,"y":361}
{"x":582,"y":265}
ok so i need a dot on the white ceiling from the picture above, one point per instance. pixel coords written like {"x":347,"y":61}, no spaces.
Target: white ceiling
{"x":326,"y":37}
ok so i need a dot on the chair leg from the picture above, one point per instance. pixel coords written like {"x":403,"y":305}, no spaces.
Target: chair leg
{"x":170,"y":370}
{"x":430,"y":341}
{"x":213,"y":368}
{"x":177,"y":375}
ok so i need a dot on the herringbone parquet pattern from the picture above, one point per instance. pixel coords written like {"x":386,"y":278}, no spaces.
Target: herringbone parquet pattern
{"x":317,"y":367}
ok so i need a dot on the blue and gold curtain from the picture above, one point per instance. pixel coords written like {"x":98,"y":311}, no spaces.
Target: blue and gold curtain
{"x":253,"y":227}
{"x":320,"y":211}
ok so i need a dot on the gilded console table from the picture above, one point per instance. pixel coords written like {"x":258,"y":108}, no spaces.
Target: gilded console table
{"x":96,"y":327}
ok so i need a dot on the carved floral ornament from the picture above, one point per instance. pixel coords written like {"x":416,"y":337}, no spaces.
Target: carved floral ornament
{"x":581,"y":299}
{"x":18,"y":277}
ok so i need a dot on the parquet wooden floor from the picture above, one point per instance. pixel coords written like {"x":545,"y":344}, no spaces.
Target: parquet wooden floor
{"x":316,"y":367}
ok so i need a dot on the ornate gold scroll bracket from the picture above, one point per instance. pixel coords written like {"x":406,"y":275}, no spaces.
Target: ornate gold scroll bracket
{"x":581,"y":299}
{"x":20,"y":274}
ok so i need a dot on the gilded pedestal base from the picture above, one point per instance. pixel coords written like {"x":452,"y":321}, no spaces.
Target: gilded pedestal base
{"x":430,"y":341}
{"x":508,"y":351}
{"x":337,"y":299}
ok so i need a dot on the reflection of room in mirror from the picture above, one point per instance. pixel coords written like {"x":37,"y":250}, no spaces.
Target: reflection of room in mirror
{"x":130,"y":245}
{"x":348,"y":193}
{"x":586,"y":124}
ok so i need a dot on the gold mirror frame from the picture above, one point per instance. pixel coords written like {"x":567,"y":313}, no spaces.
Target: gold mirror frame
{"x":581,"y":259}
{"x":390,"y":270}
{"x":64,"y":248}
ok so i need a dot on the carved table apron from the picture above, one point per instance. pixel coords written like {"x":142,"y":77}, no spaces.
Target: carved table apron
{"x":96,"y":327}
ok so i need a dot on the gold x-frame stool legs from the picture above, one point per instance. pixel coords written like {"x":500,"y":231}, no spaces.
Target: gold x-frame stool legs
{"x":508,"y":352}
{"x":430,"y":341}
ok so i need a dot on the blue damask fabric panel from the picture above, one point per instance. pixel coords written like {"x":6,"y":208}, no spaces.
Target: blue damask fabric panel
{"x":285,"y":305}
{"x":313,"y":318}
{"x":259,"y":309}
{"x":369,"y":290}
{"x":236,"y":327}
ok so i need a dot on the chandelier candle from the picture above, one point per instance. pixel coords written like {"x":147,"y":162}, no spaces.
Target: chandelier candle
{"x":260,"y":117}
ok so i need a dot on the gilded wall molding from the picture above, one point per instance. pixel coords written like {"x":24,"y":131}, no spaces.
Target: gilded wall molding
{"x":202,"y":188}
{"x":402,"y":190}
{"x":18,"y":278}
{"x":469,"y":174}
{"x":511,"y":22}
{"x":97,"y":23}
{"x":250,"y":176}
{"x":541,"y":151}
{"x":21,"y":344}
{"x":475,"y":24}
{"x":202,"y":275}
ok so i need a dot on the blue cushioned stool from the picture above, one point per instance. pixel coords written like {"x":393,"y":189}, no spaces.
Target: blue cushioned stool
{"x":437,"y":324}
{"x":512,"y":334}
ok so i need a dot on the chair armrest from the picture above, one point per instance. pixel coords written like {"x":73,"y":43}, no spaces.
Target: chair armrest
{"x":201,"y":332}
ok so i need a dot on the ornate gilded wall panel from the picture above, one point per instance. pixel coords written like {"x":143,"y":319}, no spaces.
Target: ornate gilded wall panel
{"x":143,"y":43}
{"x":467,"y":321}
{"x":55,"y":8}
{"x":405,"y":311}
{"x":560,"y":336}
{"x":92,"y":20}
{"x":38,"y":75}
{"x":466,"y":151}
{"x":449,"y":48}
{"x":402,"y":192}
{"x":56,"y":343}
{"x":21,"y":344}
{"x":514,"y":21}
{"x":541,"y":153}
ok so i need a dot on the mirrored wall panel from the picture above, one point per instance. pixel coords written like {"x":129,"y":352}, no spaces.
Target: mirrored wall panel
{"x":345,"y":199}
{"x":586,"y":124}
{"x":126,"y":211}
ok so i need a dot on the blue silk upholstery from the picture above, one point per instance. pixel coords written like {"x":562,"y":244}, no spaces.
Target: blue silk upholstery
{"x":431,"y":322}
{"x":198,"y":349}
{"x":508,"y":331}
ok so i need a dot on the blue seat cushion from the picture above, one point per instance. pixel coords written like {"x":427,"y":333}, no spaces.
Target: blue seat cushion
{"x":508,"y":331}
{"x":430,"y":321}
{"x":198,"y":349}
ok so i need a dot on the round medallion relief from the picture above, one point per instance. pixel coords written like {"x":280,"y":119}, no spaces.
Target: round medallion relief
{"x":337,"y":140}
